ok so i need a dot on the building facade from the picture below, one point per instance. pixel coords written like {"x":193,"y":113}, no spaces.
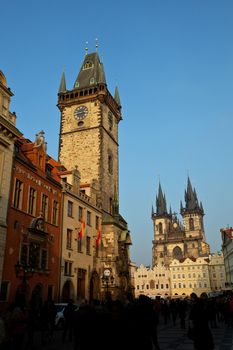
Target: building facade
{"x":152,"y":282}
{"x":227,"y":249}
{"x":89,"y":139}
{"x":217,"y":272}
{"x":81,"y":251}
{"x":32,"y":253}
{"x":190,"y":275}
{"x":8,"y":135}
{"x":174,"y":239}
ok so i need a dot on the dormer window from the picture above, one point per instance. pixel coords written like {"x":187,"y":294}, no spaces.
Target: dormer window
{"x":87,"y":65}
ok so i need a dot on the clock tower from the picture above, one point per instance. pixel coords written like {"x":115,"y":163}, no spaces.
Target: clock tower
{"x":89,"y":140}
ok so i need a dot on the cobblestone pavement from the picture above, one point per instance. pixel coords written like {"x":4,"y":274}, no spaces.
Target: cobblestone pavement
{"x":175,"y":338}
{"x":170,"y":338}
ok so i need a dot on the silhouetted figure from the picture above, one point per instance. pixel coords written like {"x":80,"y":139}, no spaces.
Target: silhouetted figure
{"x":69,"y":313}
{"x":199,"y":322}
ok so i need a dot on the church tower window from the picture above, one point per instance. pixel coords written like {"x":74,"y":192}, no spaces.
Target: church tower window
{"x":191,"y":224}
{"x":160,"y":228}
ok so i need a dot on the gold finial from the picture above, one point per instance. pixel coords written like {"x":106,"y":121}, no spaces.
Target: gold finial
{"x":96,"y":44}
{"x":86,"y":48}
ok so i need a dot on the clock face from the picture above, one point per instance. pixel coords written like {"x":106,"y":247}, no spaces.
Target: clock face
{"x":107,"y":272}
{"x":81,"y":112}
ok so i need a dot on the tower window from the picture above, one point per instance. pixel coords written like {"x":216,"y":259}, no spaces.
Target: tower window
{"x":160,"y":228}
{"x":191,"y":224}
{"x":87,"y":65}
{"x":110,"y":164}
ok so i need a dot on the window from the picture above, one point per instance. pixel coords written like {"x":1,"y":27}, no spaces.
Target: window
{"x":157,"y":286}
{"x":194,"y":275}
{"x":174,"y":276}
{"x":69,"y":239}
{"x":183,"y":276}
{"x":44,"y":207}
{"x":191,"y":224}
{"x":179,"y":285}
{"x":3,"y":291}
{"x":80,"y":213}
{"x":44,"y":255}
{"x":34,"y":255}
{"x":167,"y":286}
{"x":161,"y":286}
{"x":110,"y":206}
{"x":152,"y":284}
{"x":137,"y":286}
{"x":88,"y":218}
{"x":110,"y":163}
{"x":178,"y":275}
{"x":96,"y":222}
{"x":87,"y":65}
{"x":31,"y":201}
{"x":190,"y":285}
{"x":55,"y":213}
{"x":88,"y":245}
{"x":70,"y":209}
{"x":160,"y":228}
{"x":18,"y":194}
{"x":79,"y":248}
{"x":68,"y":268}
{"x":200,"y":285}
{"x":175,"y":286}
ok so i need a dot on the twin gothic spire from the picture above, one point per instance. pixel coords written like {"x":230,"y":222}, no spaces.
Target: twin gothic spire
{"x":191,"y":202}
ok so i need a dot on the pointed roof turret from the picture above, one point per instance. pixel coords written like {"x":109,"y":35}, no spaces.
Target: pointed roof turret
{"x":161,"y":206}
{"x":117,"y":97}
{"x":62,"y":87}
{"x":191,"y":200}
{"x":152,"y":211}
{"x":91,"y":72}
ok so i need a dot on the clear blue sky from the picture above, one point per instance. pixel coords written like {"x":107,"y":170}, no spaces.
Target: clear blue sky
{"x":173,"y":63}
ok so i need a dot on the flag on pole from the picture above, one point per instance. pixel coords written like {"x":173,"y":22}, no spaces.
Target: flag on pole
{"x":82,"y":229}
{"x":98,"y":237}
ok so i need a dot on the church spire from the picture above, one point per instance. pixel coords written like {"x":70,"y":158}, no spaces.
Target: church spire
{"x":62,"y":87}
{"x":117,"y":97}
{"x":191,"y":200}
{"x":161,"y":205}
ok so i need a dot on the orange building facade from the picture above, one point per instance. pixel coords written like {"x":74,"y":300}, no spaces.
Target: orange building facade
{"x":31,"y":271}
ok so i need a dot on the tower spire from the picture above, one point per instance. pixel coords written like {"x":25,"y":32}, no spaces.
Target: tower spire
{"x":117,"y":97}
{"x":161,"y":206}
{"x":62,"y":87}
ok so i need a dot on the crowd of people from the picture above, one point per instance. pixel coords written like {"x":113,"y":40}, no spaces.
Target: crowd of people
{"x":114,"y":324}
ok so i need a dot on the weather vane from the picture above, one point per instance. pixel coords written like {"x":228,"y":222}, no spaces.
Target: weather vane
{"x":86,"y":47}
{"x":96,"y":44}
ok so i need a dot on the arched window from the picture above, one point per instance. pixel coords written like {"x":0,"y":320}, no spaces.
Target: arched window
{"x":87,"y":65}
{"x":191,"y":224}
{"x":177,"y":253}
{"x":110,"y":162}
{"x":160,"y":227}
{"x":152,"y":284}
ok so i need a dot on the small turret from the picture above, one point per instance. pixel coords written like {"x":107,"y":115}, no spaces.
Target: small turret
{"x":161,"y":206}
{"x":62,"y":87}
{"x":117,"y":97}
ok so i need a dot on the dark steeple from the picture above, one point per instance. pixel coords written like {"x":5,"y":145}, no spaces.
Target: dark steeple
{"x":117,"y":97}
{"x":91,"y":72}
{"x":62,"y":87}
{"x":161,"y":206}
{"x":191,"y":200}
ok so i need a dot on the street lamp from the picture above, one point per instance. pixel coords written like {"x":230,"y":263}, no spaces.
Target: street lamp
{"x":107,"y":280}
